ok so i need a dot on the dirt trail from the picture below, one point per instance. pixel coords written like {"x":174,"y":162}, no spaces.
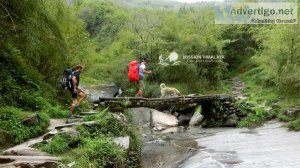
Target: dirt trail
{"x":237,"y":86}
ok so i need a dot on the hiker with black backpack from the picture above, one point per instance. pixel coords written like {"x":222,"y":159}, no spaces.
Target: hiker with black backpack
{"x":75,"y":91}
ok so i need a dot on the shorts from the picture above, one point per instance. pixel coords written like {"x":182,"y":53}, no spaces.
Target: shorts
{"x":141,"y":85}
{"x":74,"y":94}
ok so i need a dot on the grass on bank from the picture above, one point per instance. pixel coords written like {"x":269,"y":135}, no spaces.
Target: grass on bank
{"x":13,"y":131}
{"x":266,"y":101}
{"x":93,"y":146}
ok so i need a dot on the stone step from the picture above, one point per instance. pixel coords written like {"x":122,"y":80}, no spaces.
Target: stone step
{"x":29,"y":161}
{"x":76,"y":123}
{"x":88,"y":113}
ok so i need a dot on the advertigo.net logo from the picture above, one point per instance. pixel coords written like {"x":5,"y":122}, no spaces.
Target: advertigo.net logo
{"x":256,"y":13}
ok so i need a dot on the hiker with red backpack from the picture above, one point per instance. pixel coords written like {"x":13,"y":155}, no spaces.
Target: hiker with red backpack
{"x":136,"y":73}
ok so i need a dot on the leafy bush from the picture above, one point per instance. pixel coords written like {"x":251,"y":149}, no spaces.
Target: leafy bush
{"x":105,"y":124}
{"x":183,"y":73}
{"x":295,"y":125}
{"x":99,"y":152}
{"x":60,"y":144}
{"x":256,"y":119}
{"x":11,"y":121}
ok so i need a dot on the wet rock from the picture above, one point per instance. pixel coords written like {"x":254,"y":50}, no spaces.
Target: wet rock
{"x":170,"y":130}
{"x":31,"y":119}
{"x":196,"y":119}
{"x":162,"y":119}
{"x":184,"y":119}
{"x":232,"y":121}
{"x":123,"y":142}
{"x":159,"y":128}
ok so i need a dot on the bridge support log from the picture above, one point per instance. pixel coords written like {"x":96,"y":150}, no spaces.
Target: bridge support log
{"x":181,"y":102}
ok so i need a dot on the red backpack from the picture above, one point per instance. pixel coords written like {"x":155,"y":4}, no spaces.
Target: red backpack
{"x":133,"y":71}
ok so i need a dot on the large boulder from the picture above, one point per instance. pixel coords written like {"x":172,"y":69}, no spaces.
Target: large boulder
{"x":159,"y":119}
{"x":184,"y":119}
{"x":232,"y":121}
{"x":196,"y":119}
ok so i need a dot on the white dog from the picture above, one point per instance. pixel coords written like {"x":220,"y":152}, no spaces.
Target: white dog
{"x":168,"y":91}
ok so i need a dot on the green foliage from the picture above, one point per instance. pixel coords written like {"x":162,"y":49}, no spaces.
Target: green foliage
{"x":280,"y":57}
{"x":99,"y":152}
{"x":11,"y":121}
{"x":295,"y":125}
{"x":240,"y":45}
{"x":256,"y":119}
{"x":106,"y":125}
{"x":284,"y":118}
{"x":60,"y":144}
{"x":85,"y":106}
{"x":183,"y":73}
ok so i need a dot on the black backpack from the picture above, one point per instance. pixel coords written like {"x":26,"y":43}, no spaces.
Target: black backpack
{"x":66,"y":81}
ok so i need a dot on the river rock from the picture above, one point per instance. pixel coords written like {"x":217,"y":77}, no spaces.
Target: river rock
{"x":123,"y":142}
{"x":162,"y":119}
{"x":170,"y":130}
{"x":196,"y":119}
{"x":184,"y":119}
{"x":232,"y":121}
{"x":31,"y":119}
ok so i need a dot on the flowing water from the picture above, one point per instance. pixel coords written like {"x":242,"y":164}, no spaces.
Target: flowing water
{"x":271,"y":146}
